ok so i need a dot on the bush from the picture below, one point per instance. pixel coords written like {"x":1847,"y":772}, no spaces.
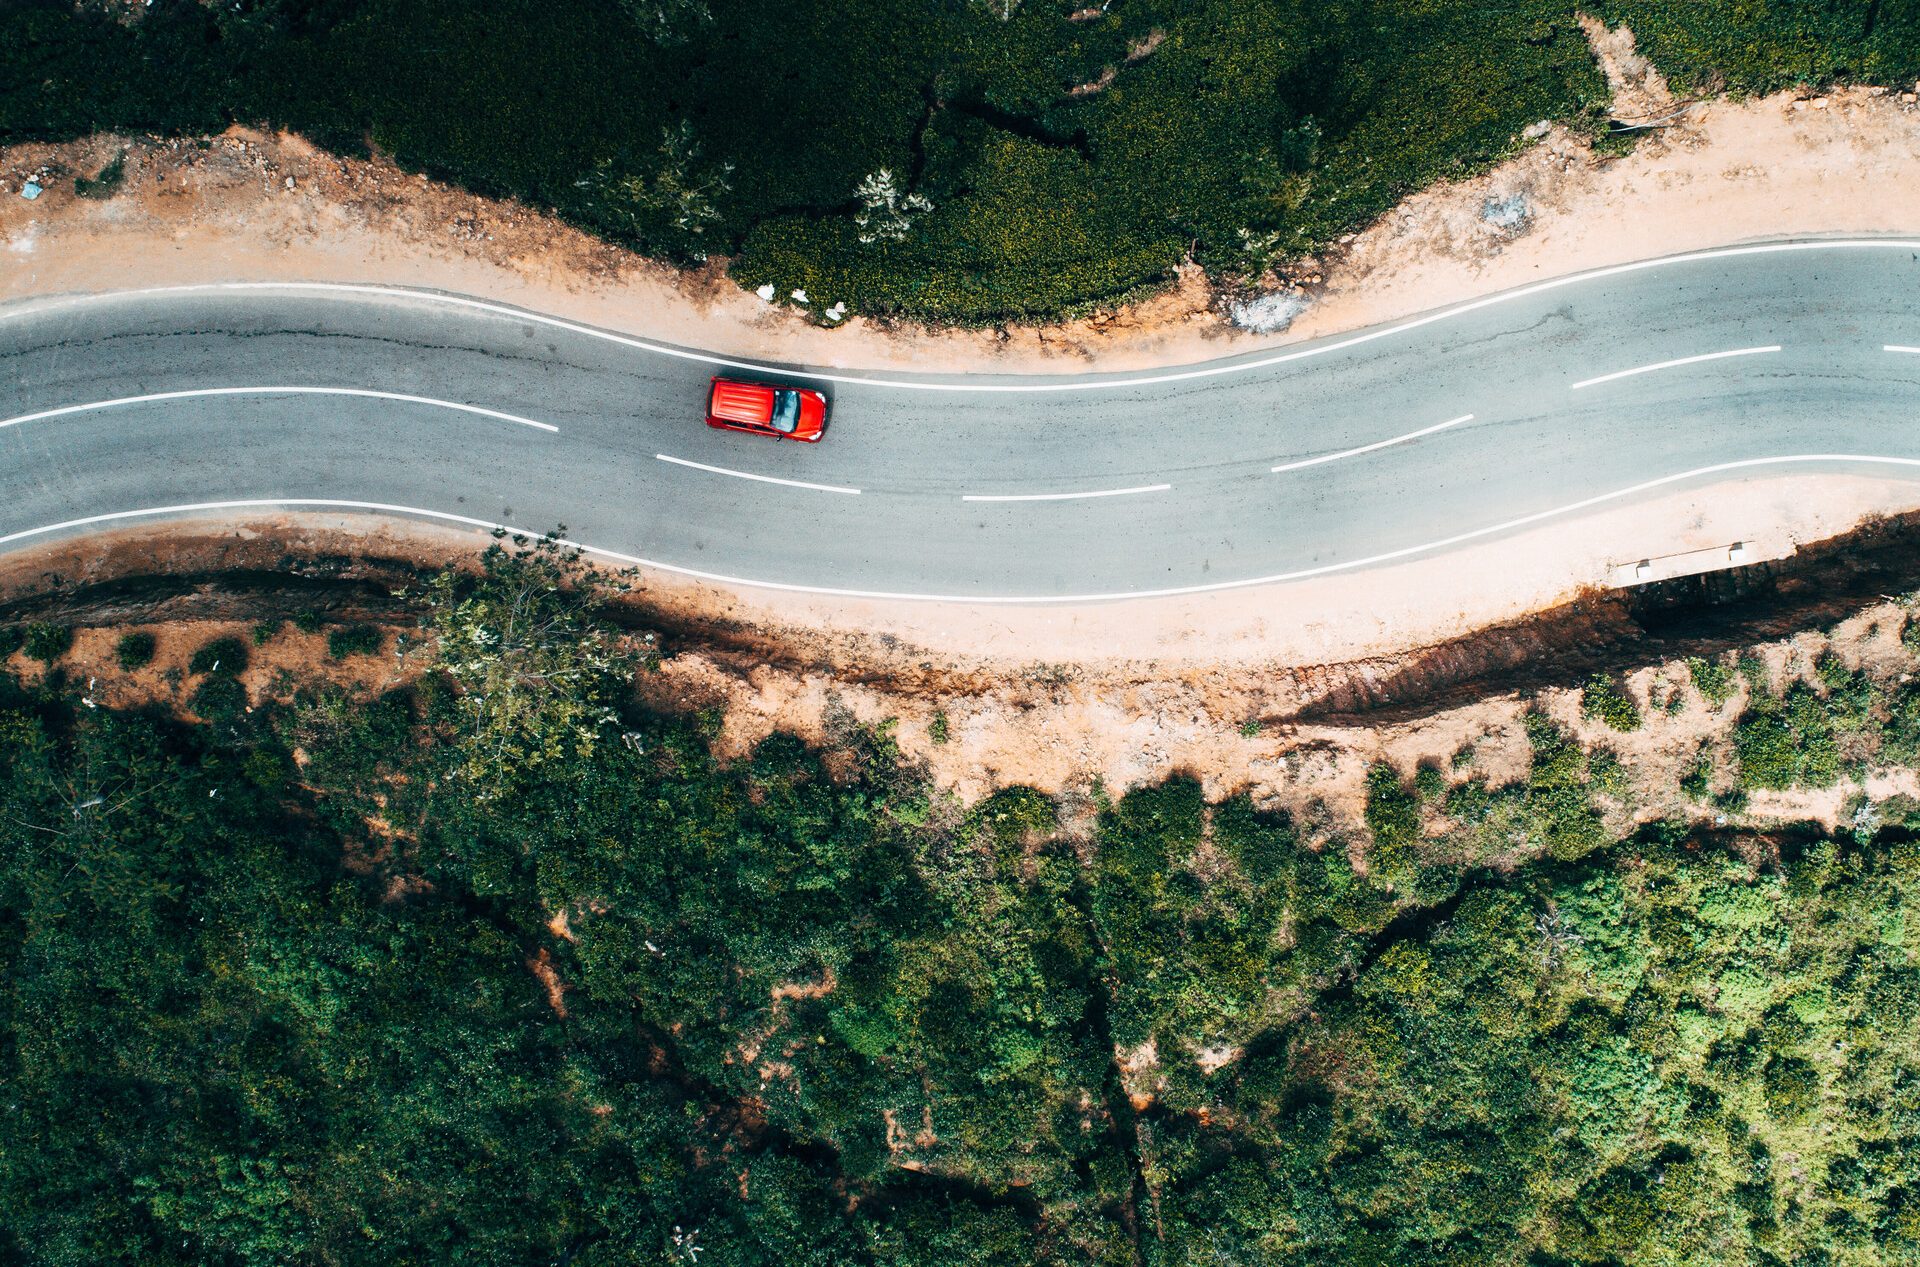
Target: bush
{"x":937,"y":730}
{"x":1603,"y":700}
{"x":220,"y":700}
{"x":354,"y":640}
{"x":107,"y":183}
{"x":224,"y":656}
{"x":47,"y":643}
{"x":263,"y":632}
{"x":1787,"y":742}
{"x":307,"y":621}
{"x":1712,"y":679}
{"x":134,"y":650}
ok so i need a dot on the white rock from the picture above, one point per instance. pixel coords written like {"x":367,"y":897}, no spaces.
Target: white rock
{"x":765,"y":292}
{"x":1268,"y":314}
{"x":289,"y":182}
{"x":836,"y":313}
{"x":1534,"y":131}
{"x":799,"y":296}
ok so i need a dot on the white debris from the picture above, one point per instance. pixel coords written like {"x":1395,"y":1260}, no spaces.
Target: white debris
{"x":799,"y":296}
{"x":1509,"y":213}
{"x":30,"y":190}
{"x":1534,"y":131}
{"x":836,"y":313}
{"x":289,"y":182}
{"x":765,"y":292}
{"x":1270,"y":313}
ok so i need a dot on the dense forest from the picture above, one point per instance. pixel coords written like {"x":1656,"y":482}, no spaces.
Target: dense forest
{"x":497,"y":968}
{"x":969,"y":160}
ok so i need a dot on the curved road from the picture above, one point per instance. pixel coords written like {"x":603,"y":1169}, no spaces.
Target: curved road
{"x":1394,"y":441}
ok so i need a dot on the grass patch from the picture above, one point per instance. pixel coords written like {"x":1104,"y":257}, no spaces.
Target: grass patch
{"x":134,"y":650}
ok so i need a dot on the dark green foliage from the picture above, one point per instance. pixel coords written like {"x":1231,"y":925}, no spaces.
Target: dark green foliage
{"x":393,"y":1004}
{"x":134,"y":650}
{"x":1603,"y":699}
{"x":12,"y":638}
{"x":354,"y":640}
{"x":224,"y":656}
{"x":1787,"y":742}
{"x":263,"y":632}
{"x":1249,"y":131}
{"x":307,"y":621}
{"x":1761,"y":47}
{"x":47,"y":643}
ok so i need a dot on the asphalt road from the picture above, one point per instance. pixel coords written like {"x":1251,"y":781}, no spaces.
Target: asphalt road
{"x":976,"y":488}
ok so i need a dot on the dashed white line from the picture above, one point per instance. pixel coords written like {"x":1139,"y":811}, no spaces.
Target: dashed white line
{"x":764,"y":479}
{"x":153,"y":397}
{"x":1063,"y":497}
{"x":1301,"y":574}
{"x":1064,"y":385}
{"x":1369,"y":448}
{"x":1667,"y":365}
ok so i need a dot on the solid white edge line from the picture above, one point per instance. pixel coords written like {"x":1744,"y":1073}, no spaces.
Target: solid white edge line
{"x":1895,"y":347}
{"x":1389,"y":556}
{"x":1667,"y":365}
{"x":154,"y":397}
{"x":764,"y":479}
{"x":1211,"y":371}
{"x":1369,"y":448}
{"x":1062,"y":497}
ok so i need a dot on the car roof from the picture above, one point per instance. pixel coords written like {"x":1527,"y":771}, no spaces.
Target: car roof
{"x":742,"y":402}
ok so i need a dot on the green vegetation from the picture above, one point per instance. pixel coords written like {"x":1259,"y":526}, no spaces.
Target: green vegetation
{"x":1761,"y":47}
{"x":47,"y":643}
{"x":1604,"y":700}
{"x":134,"y":650}
{"x":222,"y":656}
{"x":938,"y":160}
{"x":1712,"y":678}
{"x":354,"y":640}
{"x":514,"y":972}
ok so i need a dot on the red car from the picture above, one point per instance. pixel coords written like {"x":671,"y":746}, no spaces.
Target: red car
{"x":785,"y":413}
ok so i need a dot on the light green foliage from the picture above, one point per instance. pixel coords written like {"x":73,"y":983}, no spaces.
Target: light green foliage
{"x":1764,"y":47}
{"x":537,"y":677}
{"x":1712,"y":679}
{"x":1604,"y":700}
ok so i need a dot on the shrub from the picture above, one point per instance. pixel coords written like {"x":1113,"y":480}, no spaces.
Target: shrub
{"x":12,"y":638}
{"x":354,"y":640}
{"x":107,"y":183}
{"x":224,"y":656}
{"x":47,"y":643}
{"x":1429,"y":782}
{"x":263,"y":632}
{"x":307,"y":621}
{"x":1712,"y":679}
{"x":220,"y":700}
{"x":1603,"y":700}
{"x":1787,"y":742}
{"x":937,"y":729}
{"x":134,"y":650}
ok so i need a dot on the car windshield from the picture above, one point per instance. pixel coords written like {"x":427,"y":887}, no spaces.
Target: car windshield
{"x":786,"y":412}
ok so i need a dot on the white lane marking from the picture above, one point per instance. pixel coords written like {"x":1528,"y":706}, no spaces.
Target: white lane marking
{"x":1377,"y":444}
{"x":764,"y":479}
{"x":152,"y":397}
{"x":1895,"y":347}
{"x":721,"y":578}
{"x":1144,"y":380}
{"x":1667,"y":365}
{"x":1063,"y":497}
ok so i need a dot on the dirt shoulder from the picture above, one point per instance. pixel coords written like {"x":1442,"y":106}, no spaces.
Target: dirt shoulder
{"x":248,"y":206}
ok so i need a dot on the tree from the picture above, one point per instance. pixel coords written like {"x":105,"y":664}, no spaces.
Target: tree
{"x":886,"y":214}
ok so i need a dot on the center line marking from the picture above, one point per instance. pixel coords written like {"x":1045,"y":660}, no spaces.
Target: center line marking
{"x":1895,"y":347}
{"x":1063,"y":497}
{"x":1377,"y":444}
{"x":91,"y":406}
{"x":1667,"y":365}
{"x":764,"y":479}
